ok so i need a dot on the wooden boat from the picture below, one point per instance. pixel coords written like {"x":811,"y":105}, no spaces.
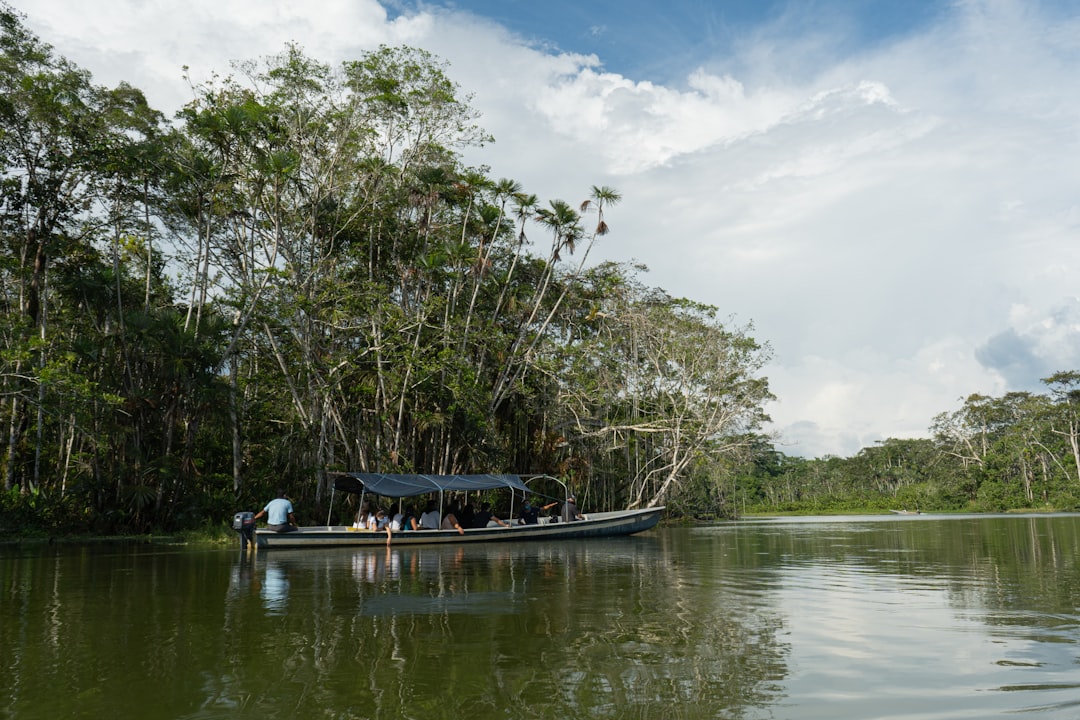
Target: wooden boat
{"x":594,"y":525}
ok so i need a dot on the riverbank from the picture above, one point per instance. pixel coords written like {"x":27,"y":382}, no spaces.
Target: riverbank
{"x":207,"y":536}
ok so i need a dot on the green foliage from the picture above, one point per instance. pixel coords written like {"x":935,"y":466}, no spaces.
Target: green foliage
{"x":1016,"y":452}
{"x":341,"y":291}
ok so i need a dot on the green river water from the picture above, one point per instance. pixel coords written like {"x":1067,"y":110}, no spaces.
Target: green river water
{"x":857,"y":617}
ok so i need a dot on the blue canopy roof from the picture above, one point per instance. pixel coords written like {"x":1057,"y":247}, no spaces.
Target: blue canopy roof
{"x":409,"y":485}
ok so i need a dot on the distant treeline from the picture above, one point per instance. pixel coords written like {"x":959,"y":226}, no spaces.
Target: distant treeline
{"x":1018,"y":451}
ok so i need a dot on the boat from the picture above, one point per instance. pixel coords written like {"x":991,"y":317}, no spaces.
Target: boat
{"x":593,"y":524}
{"x":906,"y":512}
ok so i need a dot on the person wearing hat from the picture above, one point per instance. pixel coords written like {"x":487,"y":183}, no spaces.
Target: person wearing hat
{"x":570,"y":511}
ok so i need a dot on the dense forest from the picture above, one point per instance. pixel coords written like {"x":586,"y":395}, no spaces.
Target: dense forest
{"x":298,"y":274}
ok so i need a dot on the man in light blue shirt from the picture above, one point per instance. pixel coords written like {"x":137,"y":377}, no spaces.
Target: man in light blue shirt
{"x":279,"y":514}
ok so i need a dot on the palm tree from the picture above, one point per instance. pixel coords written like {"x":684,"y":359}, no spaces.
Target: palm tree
{"x":504,"y":189}
{"x":600,"y":197}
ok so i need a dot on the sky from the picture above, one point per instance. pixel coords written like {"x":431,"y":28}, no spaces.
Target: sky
{"x":887,"y":192}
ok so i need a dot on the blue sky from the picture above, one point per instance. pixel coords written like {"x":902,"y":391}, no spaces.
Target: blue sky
{"x":662,"y":41}
{"x":888,"y":192}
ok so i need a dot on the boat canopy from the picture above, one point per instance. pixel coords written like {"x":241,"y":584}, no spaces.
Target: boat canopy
{"x":409,"y":485}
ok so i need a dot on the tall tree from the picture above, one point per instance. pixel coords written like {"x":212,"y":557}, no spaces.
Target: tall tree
{"x":664,"y":379}
{"x":1065,"y":389}
{"x":69,"y":149}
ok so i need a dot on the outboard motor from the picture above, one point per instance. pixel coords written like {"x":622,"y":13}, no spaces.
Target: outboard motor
{"x":244,"y":524}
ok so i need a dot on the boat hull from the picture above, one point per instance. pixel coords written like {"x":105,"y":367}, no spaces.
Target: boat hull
{"x":605,"y":524}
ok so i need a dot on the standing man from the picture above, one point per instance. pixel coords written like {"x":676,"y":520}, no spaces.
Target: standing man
{"x":279,"y":514}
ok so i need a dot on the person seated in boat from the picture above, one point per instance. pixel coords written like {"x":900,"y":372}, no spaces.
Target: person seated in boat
{"x":429,"y":520}
{"x":466,"y":516}
{"x":397,"y":517}
{"x":409,"y":523}
{"x":482,"y":518}
{"x":570,"y":511}
{"x":372,"y":522}
{"x":382,"y":524}
{"x":450,"y":521}
{"x":361,"y":521}
{"x":279,"y":514}
{"x":530,"y":513}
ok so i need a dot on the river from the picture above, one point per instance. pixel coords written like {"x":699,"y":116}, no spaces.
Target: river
{"x":884,"y":617}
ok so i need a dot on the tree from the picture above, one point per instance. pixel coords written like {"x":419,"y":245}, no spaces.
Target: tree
{"x":662,"y":378}
{"x":1065,"y":389}
{"x":304,"y":275}
{"x":71,"y":152}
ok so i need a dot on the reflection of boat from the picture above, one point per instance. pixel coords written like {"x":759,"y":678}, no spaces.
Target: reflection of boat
{"x":601,"y":524}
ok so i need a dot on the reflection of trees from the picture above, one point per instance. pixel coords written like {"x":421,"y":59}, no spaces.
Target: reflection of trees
{"x":559,"y":630}
{"x":675,"y":624}
{"x":1027,"y":562}
{"x":116,"y":631}
{"x":652,"y":635}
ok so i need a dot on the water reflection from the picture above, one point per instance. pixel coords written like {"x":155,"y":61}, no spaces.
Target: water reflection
{"x":965,"y":610}
{"x":553,"y":630}
{"x":275,"y":588}
{"x":242,"y":577}
{"x":911,"y":617}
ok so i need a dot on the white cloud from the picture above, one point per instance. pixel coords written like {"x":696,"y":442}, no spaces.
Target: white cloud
{"x":880,"y":217}
{"x":1036,"y":344}
{"x":148,"y":43}
{"x":865,"y":396}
